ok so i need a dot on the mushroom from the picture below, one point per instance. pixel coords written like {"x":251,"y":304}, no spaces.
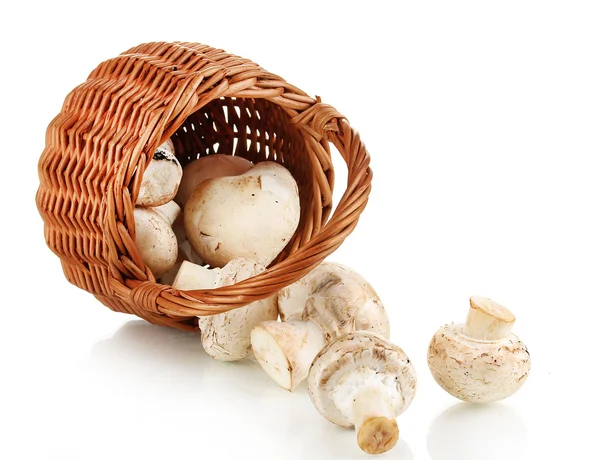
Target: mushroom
{"x":185,"y":248}
{"x":363,"y":380}
{"x":330,"y":301}
{"x":208,"y":167}
{"x":172,"y":213}
{"x":481,"y":360}
{"x":252,"y":215}
{"x":161,"y":178}
{"x":169,"y":211}
{"x":226,"y":336}
{"x":155,"y":240}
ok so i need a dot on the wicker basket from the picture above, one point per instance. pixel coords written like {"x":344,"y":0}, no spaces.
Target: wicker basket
{"x":207,"y":101}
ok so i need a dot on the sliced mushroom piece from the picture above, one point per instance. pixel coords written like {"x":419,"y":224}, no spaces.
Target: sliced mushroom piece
{"x":155,"y":240}
{"x":330,"y":301}
{"x":365,"y":381}
{"x":226,"y":336}
{"x":285,"y":350}
{"x":208,"y":167}
{"x":481,"y":360}
{"x":161,"y":178}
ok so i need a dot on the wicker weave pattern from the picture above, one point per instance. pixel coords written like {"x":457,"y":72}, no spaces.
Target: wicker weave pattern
{"x":208,"y":101}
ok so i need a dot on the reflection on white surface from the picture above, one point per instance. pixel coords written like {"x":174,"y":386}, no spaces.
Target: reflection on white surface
{"x":161,"y":356}
{"x":477,"y":431}
{"x":167,"y":384}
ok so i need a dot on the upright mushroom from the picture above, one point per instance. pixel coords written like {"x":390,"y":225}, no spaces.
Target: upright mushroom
{"x":252,"y":215}
{"x":330,"y":301}
{"x":481,"y":360}
{"x":161,"y":178}
{"x":363,"y":380}
{"x":226,"y":336}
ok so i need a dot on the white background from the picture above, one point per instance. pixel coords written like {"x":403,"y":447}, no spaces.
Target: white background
{"x":482,"y":119}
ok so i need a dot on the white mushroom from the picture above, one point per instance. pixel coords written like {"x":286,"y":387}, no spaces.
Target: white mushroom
{"x":481,"y":360}
{"x":226,"y":336}
{"x":208,"y":167}
{"x":169,"y":211}
{"x":363,"y":380}
{"x":330,"y":301}
{"x":155,"y":240}
{"x":185,"y":248}
{"x":161,"y":178}
{"x":252,"y":215}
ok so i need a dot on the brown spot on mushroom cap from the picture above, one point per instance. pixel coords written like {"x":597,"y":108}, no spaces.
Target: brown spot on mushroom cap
{"x":353,"y":351}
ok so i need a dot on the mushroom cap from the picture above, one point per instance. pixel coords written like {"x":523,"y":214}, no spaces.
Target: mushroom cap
{"x":374,"y":357}
{"x":170,"y":212}
{"x":226,"y":336}
{"x":161,"y":178}
{"x":252,"y":215}
{"x":337,"y":298}
{"x":207,"y":167}
{"x":155,"y":240}
{"x":477,"y":370}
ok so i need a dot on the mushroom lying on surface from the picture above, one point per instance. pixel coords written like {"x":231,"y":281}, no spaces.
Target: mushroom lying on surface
{"x":481,"y":360}
{"x":330,"y":301}
{"x":161,"y":178}
{"x":363,"y":380}
{"x":226,"y":336}
{"x":208,"y":167}
{"x":155,"y":240}
{"x":252,"y":215}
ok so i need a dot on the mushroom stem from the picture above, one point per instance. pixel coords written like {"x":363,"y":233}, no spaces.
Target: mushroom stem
{"x":488,"y":320}
{"x":191,"y":276}
{"x":374,"y":420}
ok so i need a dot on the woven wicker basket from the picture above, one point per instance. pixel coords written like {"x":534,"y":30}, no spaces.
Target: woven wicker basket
{"x":207,"y":101}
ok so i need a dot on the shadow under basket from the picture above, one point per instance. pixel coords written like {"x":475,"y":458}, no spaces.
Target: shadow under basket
{"x":207,"y":101}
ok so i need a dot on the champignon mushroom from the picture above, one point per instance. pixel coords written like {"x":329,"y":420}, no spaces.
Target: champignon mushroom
{"x":208,"y":167}
{"x":155,"y":240}
{"x":226,"y":336}
{"x":169,"y":211}
{"x":480,"y":360}
{"x":330,"y":301}
{"x":161,"y":178}
{"x":185,"y":248}
{"x":252,"y":215}
{"x":363,"y":380}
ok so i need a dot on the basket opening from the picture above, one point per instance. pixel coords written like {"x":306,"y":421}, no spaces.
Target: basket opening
{"x":255,"y":129}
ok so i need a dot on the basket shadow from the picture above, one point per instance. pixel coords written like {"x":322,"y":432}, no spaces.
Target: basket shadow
{"x":474,"y":431}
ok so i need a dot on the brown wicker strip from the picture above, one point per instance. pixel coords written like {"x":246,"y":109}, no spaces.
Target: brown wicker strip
{"x":207,"y":101}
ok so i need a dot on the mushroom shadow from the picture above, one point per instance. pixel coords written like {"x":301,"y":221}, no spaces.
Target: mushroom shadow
{"x":474,"y":431}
